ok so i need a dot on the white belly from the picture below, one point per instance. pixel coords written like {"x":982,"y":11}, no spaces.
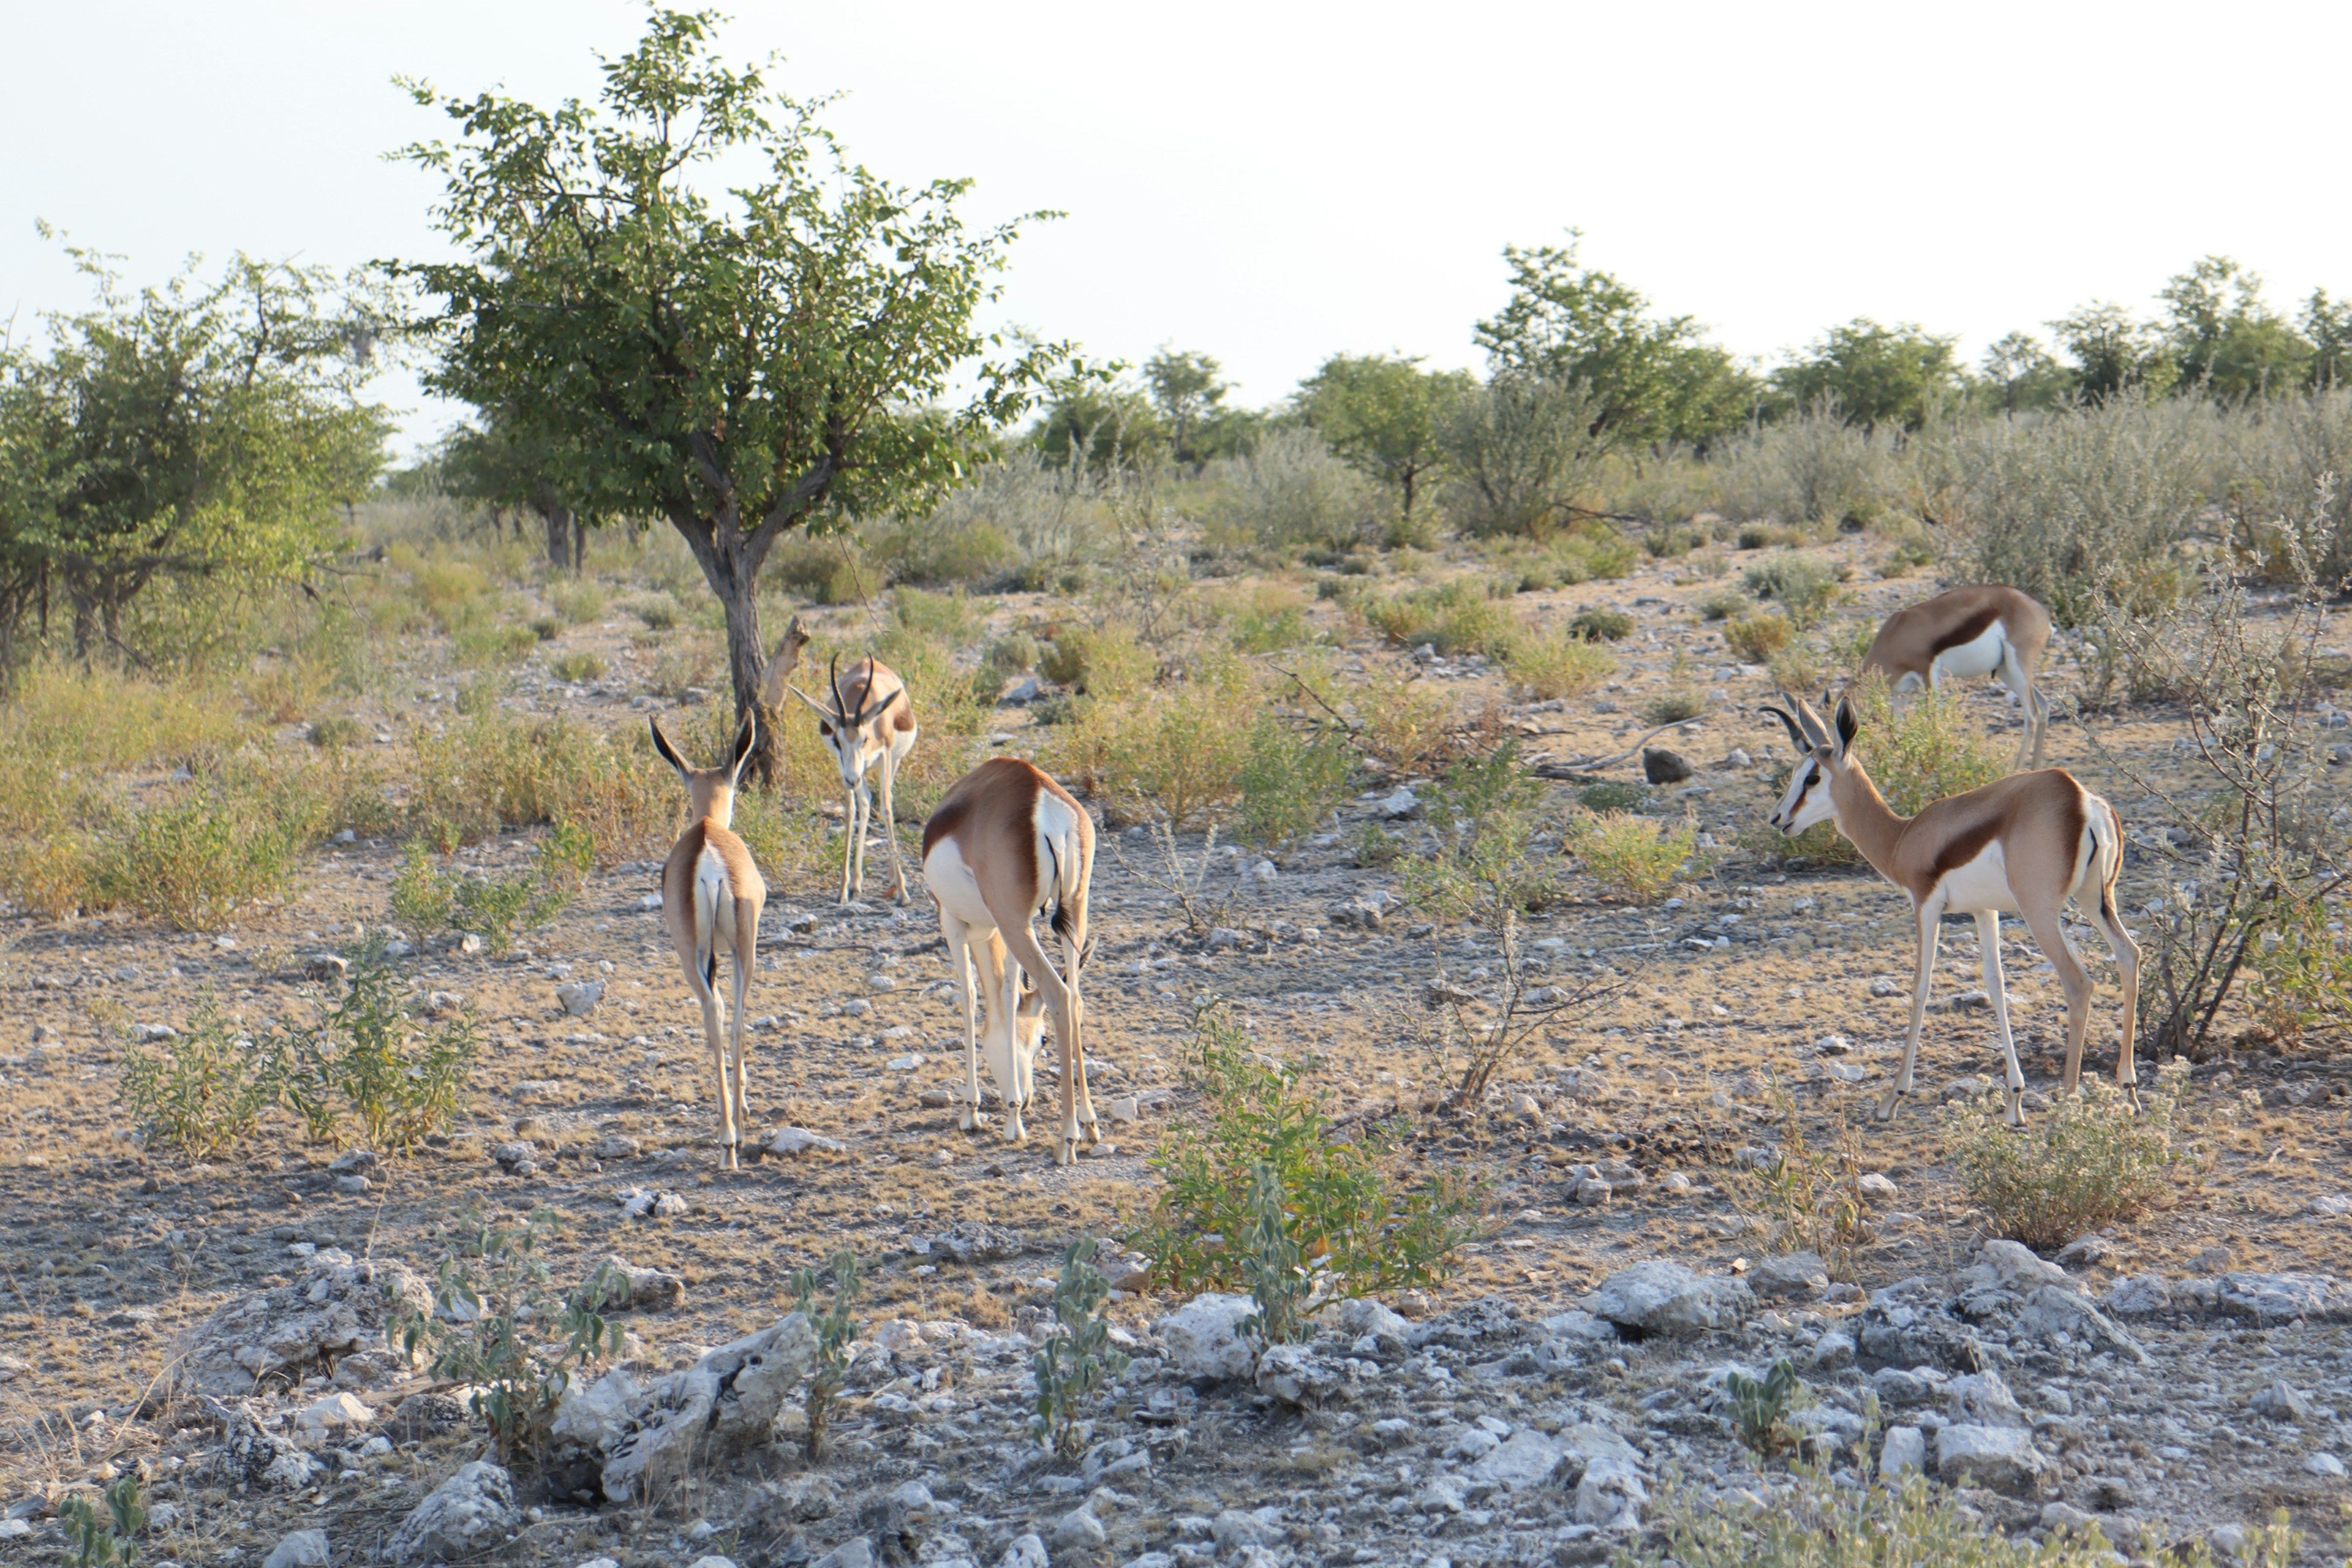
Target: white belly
{"x":1980,"y":657}
{"x":1982,"y":884}
{"x":952,"y":883}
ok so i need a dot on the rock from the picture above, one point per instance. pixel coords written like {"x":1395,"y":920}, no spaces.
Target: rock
{"x":801,"y":1140}
{"x":1362,"y":1315}
{"x":1661,"y":766}
{"x":592,"y":1417}
{"x":641,"y":1289}
{"x":350,"y":1187}
{"x":1834,"y":1350}
{"x":1906,"y":1448}
{"x":1080,"y":1530}
{"x":855,"y":1552}
{"x":1234,"y":1531}
{"x":1981,"y":1398}
{"x":1297,"y":1375}
{"x":615,"y":1146}
{"x":2139,"y":1295}
{"x":328,"y":967}
{"x":1593,"y":1193}
{"x":1527,"y":1459}
{"x":1487,"y":1321}
{"x":2066,"y":1516}
{"x":1402,"y":804}
{"x":153,"y":1034}
{"x":1659,"y":1297}
{"x":1877,"y":1189}
{"x":2001,"y":1457}
{"x":334,"y":1412}
{"x":1796,"y":1274}
{"x":354,"y":1162}
{"x":1203,"y":1336}
{"x":2055,"y":1309}
{"x":516,"y":1152}
{"x":2282,"y":1402}
{"x":2085,"y":1251}
{"x":1898,"y":1387}
{"x":1025,"y":690}
{"x":1610,"y":1495}
{"x":580,"y":999}
{"x":2008,"y":1266}
{"x":974,"y":1241}
{"x":727,"y":1400}
{"x":303,"y":1549}
{"x":2325,"y":1465}
{"x":337,"y":1308}
{"x":2276,"y":1299}
{"x":469,"y":1513}
{"x":1026,"y":1552}
{"x":441,"y":1004}
{"x":1125,"y":1108}
{"x":2328,"y":1206}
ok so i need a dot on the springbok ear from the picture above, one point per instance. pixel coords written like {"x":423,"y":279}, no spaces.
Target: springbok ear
{"x":746,"y":741}
{"x":668,"y":752}
{"x":1848,"y":723}
{"x":814,"y":707}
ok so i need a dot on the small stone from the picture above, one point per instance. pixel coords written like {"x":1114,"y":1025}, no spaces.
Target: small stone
{"x":2066,"y":1516}
{"x":515,"y":1153}
{"x":2282,"y":1402}
{"x":1125,"y":1108}
{"x":2323,"y":1463}
{"x":671,"y":1206}
{"x":1661,"y":766}
{"x":650,"y":902}
{"x":1026,"y":1552}
{"x":801,"y":1140}
{"x":1797,"y":1274}
{"x":1402,"y":804}
{"x":615,"y":1146}
{"x":440,"y":1003}
{"x":350,"y":1187}
{"x":1203,"y":1336}
{"x":903,"y":1064}
{"x":1080,"y":1530}
{"x":855,"y":1552}
{"x":1834,"y":1350}
{"x":1906,"y":1448}
{"x":1610,"y":1495}
{"x":2001,"y":1457}
{"x":2328,"y":1206}
{"x":1223,"y":939}
{"x":303,"y":1549}
{"x":1666,"y":1298}
{"x":470,"y":1514}
{"x":580,"y":1000}
{"x":1593,"y":1193}
{"x":326,"y":966}
{"x":1877,"y":1189}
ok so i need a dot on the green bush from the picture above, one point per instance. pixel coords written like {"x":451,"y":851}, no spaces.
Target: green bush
{"x":110,"y":1540}
{"x":1757,"y":637}
{"x":1078,"y":1358}
{"x":1107,"y":661}
{"x":827,"y":569}
{"x":1761,"y":1405}
{"x":576,"y":599}
{"x":1291,"y":782}
{"x":1452,"y":618}
{"x":335,"y":732}
{"x":584,"y":664}
{"x":659,"y":612}
{"x":1675,"y":704}
{"x":1632,"y":857}
{"x":947,"y":618}
{"x":495,"y":908}
{"x":1485,"y":815}
{"x":1722,"y":604}
{"x":1803,"y":587}
{"x":1292,"y":495}
{"x":195,"y":861}
{"x":2088,"y":1161}
{"x":1178,"y":755}
{"x":837,"y":1331}
{"x":1344,"y":1203}
{"x":1601,"y":625}
{"x":204,"y":1090}
{"x":1548,"y":665}
{"x":365,"y":1059}
{"x":1611,"y":795}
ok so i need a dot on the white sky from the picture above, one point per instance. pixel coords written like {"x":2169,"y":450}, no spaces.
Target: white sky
{"x":1274,"y":182}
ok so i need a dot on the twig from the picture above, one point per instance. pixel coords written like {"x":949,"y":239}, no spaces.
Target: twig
{"x":1586,"y":765}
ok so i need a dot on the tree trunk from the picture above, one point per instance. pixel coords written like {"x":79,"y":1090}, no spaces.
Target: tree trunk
{"x":733,"y":575}
{"x":559,"y":537}
{"x":579,"y":545}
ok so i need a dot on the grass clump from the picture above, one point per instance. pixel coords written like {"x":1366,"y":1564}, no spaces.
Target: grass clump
{"x":659,"y":612}
{"x":1543,"y":667}
{"x":1601,"y":625}
{"x":1100,"y":661}
{"x":1357,"y":1222}
{"x":2087,"y":1162}
{"x":1179,"y":756}
{"x":1756,"y":637}
{"x":1723,"y":604}
{"x":1803,"y":587}
{"x":585,"y":664}
{"x":1806,"y":1199}
{"x":1675,"y":704}
{"x":1484,"y":869}
{"x":1633,"y":857}
{"x":494,"y":907}
{"x":1611,"y":795}
{"x":576,"y":600}
{"x":1449,"y":618}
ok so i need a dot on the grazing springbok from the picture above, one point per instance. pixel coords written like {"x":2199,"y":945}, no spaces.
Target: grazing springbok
{"x":872,"y":720}
{"x":2023,"y":844}
{"x":1985,"y":630}
{"x":1007,"y":845}
{"x":711,"y":898}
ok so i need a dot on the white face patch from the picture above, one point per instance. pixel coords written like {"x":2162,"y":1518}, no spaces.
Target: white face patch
{"x":1808,"y":799}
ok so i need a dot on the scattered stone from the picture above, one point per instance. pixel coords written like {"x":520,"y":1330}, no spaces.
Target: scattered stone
{"x":2002,"y":1458}
{"x":1660,"y":1298}
{"x":580,"y":999}
{"x":615,"y":1146}
{"x":1983,"y":1399}
{"x":328,"y":967}
{"x":1203,"y":1336}
{"x":337,"y":1309}
{"x":801,"y":1140}
{"x":973,"y":1241}
{"x":855,"y":1552}
{"x":1906,"y":1448}
{"x":1026,"y":1552}
{"x":1402,"y":804}
{"x":1080,"y":1530}
{"x":1297,"y":1375}
{"x":1877,"y":1189}
{"x":1795,"y":1274}
{"x":1661,"y":766}
{"x":334,"y":1412}
{"x":727,"y":1399}
{"x":469,"y":1513}
{"x":1834,"y":1350}
{"x":2282,"y":1402}
{"x":303,"y":1549}
{"x":641,"y":1289}
{"x":2085,"y":1252}
{"x":1610,"y":1495}
{"x":1125,"y":1108}
{"x":2053,"y":1309}
{"x":1527,"y":1459}
{"x":2326,"y":1465}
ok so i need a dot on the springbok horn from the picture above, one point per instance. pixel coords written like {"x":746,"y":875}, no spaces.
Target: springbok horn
{"x":840,"y":703}
{"x":1796,"y":737}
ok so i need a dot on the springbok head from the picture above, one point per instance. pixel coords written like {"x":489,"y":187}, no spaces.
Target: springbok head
{"x":710,"y":791}
{"x":852,"y":732}
{"x":1821,"y":756}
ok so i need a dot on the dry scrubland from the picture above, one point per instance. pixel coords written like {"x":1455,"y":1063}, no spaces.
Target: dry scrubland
{"x":1294,"y":762}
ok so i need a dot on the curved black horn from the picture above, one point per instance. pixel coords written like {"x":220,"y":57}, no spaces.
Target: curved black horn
{"x":840,"y":705}
{"x":1795,"y":736}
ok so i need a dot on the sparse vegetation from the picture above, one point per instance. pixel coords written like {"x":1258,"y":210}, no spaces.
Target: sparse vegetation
{"x":204,"y":1091}
{"x":1077,"y":1359}
{"x":1633,"y":857}
{"x":836,"y":1331}
{"x":2085,"y":1162}
{"x":368,"y":1061}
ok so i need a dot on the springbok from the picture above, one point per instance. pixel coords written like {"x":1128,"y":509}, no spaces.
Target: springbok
{"x":861,"y":729}
{"x":712,"y":899}
{"x":2023,"y":844}
{"x":1985,"y":630}
{"x":1007,"y":845}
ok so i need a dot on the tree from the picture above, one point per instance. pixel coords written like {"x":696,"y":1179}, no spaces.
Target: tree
{"x":2111,"y":351}
{"x":205,"y":428}
{"x":2021,"y":373}
{"x":1109,"y":423}
{"x":2224,"y":337}
{"x":1522,"y":450}
{"x":1188,"y":394}
{"x":741,"y":367}
{"x":1876,"y":374}
{"x":1384,"y":416}
{"x":1651,"y":379}
{"x":502,"y":469}
{"x":2327,"y":323}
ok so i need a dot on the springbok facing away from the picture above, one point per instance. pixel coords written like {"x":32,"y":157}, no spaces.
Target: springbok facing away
{"x":872,"y":720}
{"x":1986,"y":630}
{"x":2023,"y":844}
{"x":1007,"y":845}
{"x":712,"y":899}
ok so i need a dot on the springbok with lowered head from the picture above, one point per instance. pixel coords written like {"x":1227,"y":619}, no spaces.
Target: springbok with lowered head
{"x":1982,"y":630}
{"x":871,"y":722}
{"x":1007,"y":845}
{"x":2022,"y":845}
{"x":711,"y":897}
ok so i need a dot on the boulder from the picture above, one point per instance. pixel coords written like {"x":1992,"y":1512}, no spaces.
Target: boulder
{"x":2001,"y":1457}
{"x":336,"y":1309}
{"x":592,"y":1417}
{"x":1526,"y":1459}
{"x":1661,"y":766}
{"x":1297,"y":1375}
{"x":1610,"y":1495}
{"x":1080,"y":1530}
{"x":2276,"y":1299}
{"x":1906,"y":1448}
{"x":642,"y":1289}
{"x":1203,"y":1336}
{"x":1361,"y":1315}
{"x":2282,"y":1402}
{"x":580,"y":1000}
{"x":1983,"y":1399}
{"x":727,"y":1400}
{"x":1660,"y":1298}
{"x":332,"y":1413}
{"x":2053,"y":1309}
{"x":1026,"y":1552}
{"x":468,"y":1514}
{"x":1800,"y":1273}
{"x":2009,"y":1265}
{"x":303,"y":1549}
{"x":1579,"y":1327}
{"x":2139,"y":1295}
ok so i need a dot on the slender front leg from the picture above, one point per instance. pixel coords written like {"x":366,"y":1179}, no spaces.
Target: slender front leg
{"x":1926,"y":915}
{"x":2126,"y":953}
{"x":1015,"y":1130}
{"x":890,"y":825}
{"x":1087,"y":1124}
{"x":1988,"y":940}
{"x":865,"y":825}
{"x":960,"y":956}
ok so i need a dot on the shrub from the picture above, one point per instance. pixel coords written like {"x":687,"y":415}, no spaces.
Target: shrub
{"x":945,"y":617}
{"x":204,"y":1090}
{"x":1412,"y":725}
{"x":1078,"y":1358}
{"x":499,"y":1328}
{"x":1281,"y":1286}
{"x":1803,"y":587}
{"x":96,"y":1540}
{"x":1601,"y":625}
{"x":366,"y":1060}
{"x":837,"y":1331}
{"x":1291,"y":494}
{"x":2302,"y":968}
{"x":1179,"y":754}
{"x":1675,"y":704}
{"x":1632,"y":857}
{"x":1723,"y":604}
{"x":1105,"y":661}
{"x":1611,"y":795}
{"x":1806,"y":1199}
{"x":585,"y":664}
{"x":335,"y":732}
{"x":1484,"y":815}
{"x":659,"y":612}
{"x":827,"y":569}
{"x":1374,"y":847}
{"x":1811,"y":471}
{"x":500,"y":770}
{"x":485,"y":642}
{"x":1290,"y":782}
{"x":493,"y":908}
{"x":1595,"y":555}
{"x":2087,"y":1162}
{"x":193,"y":862}
{"x":576,"y":599}
{"x":1345,"y":1205}
{"x":1453,"y":617}
{"x":1757,"y":637}
{"x":1546,"y":667}
{"x":1760,"y":1404}
{"x":1015,"y":653}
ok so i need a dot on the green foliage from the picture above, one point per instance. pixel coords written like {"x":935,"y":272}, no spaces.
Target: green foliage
{"x":1548,"y":665}
{"x":1291,"y":495}
{"x":1107,"y":661}
{"x":335,"y":732}
{"x":743,"y":356}
{"x":497,"y":1325}
{"x":582,"y":664}
{"x":366,"y":1060}
{"x":2224,"y":339}
{"x":1178,"y":755}
{"x":1723,"y":604}
{"x":1601,"y":625}
{"x":1633,"y":857}
{"x":1077,"y":1359}
{"x":1189,"y":396}
{"x":1677,"y":702}
{"x":1759,"y":1405}
{"x":1522,"y":456}
{"x":1342,"y":1204}
{"x":2113,"y":353}
{"x":1874,"y":376}
{"x":2302,"y":968}
{"x":203,"y":1091}
{"x":108,"y":1540}
{"x":2021,"y":375}
{"x":2088,"y":1161}
{"x":1274,"y":1265}
{"x":1384,"y":415}
{"x":496,"y":909}
{"x":1291,"y":781}
{"x":1452,"y":618}
{"x":1374,"y":847}
{"x":1757,"y":637}
{"x":1801,"y":586}
{"x":1611,"y":795}
{"x":195,"y":861}
{"x":835,"y":1331}
{"x":1485,"y":814}
{"x":1647,"y":378}
{"x":1806,"y":1199}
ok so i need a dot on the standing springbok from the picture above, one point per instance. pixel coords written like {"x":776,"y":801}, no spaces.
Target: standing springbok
{"x":1007,"y":845}
{"x":2024,"y":845}
{"x":712,"y":899}
{"x":872,"y":720}
{"x":1985,"y":630}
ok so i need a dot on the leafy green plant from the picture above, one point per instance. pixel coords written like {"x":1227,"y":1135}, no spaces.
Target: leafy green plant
{"x":659,"y":612}
{"x":1484,"y":869}
{"x":1806,"y":1199}
{"x":836,"y":1329}
{"x":2088,"y":1161}
{"x":1757,"y":637}
{"x":2302,"y":968}
{"x":582,"y":664}
{"x":112,"y":1542}
{"x":1290,"y":781}
{"x":498,"y":1325}
{"x":334,"y":733}
{"x":1723,"y":604}
{"x":496,"y":909}
{"x":1450,"y":617}
{"x":1633,"y":857}
{"x":1105,"y":661}
{"x":1601,"y":625}
{"x":204,"y":1090}
{"x":195,"y":861}
{"x":1546,"y":667}
{"x":1345,"y":1205}
{"x":1611,"y":795}
{"x":366,"y":1060}
{"x":1079,"y":1358}
{"x":1280,"y":1283}
{"x":1803,"y":587}
{"x":1759,"y":1405}
{"x":1374,"y":847}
